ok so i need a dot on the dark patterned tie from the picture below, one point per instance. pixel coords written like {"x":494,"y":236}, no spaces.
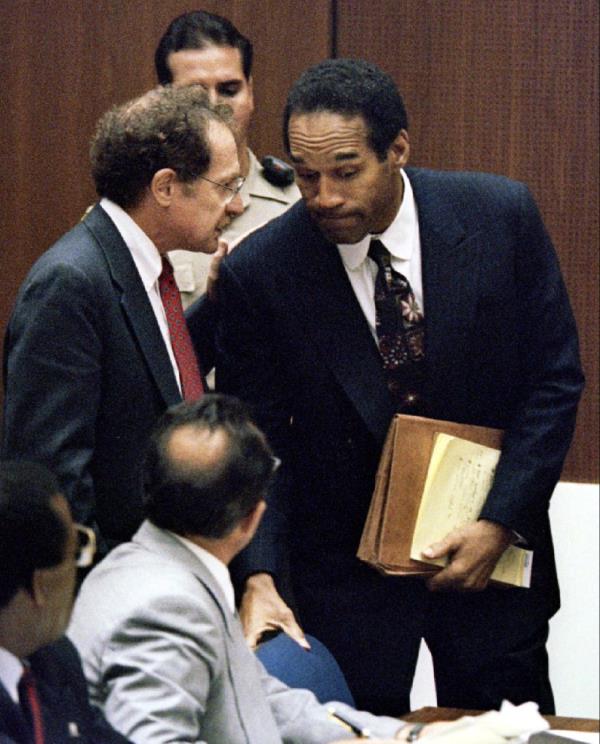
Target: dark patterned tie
{"x":192,"y":386}
{"x":30,"y":703}
{"x":400,"y":331}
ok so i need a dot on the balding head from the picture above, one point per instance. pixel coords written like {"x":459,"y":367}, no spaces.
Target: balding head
{"x":207,"y":468}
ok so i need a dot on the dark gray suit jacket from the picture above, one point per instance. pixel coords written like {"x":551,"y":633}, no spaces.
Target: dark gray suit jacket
{"x":501,"y":350}
{"x":64,"y":700}
{"x":86,"y":374}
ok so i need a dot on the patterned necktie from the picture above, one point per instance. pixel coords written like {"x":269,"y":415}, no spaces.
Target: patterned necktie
{"x":30,"y":703}
{"x":400,"y":332}
{"x":189,"y":373}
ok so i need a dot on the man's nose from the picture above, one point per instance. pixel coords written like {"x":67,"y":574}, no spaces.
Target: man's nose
{"x":328,"y":195}
{"x":235,"y":206}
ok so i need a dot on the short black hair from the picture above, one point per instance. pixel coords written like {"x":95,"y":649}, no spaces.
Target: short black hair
{"x":164,"y":128}
{"x":350,"y":87}
{"x":197,"y":30}
{"x":32,"y":533}
{"x":206,"y":501}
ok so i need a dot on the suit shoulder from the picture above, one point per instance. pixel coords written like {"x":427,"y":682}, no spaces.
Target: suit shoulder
{"x":480,"y":194}
{"x":279,"y":241}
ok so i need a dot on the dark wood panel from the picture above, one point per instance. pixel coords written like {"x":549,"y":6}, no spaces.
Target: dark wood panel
{"x":508,"y":87}
{"x":64,"y":63}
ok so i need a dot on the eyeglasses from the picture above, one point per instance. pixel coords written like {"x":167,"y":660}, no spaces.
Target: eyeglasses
{"x":86,"y":546}
{"x":228,"y":190}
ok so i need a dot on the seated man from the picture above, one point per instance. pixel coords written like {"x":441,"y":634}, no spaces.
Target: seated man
{"x":155,"y":622}
{"x":43,"y":696}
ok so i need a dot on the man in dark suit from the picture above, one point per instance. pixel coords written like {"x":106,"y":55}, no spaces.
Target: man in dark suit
{"x":43,"y":694}
{"x":96,"y":347}
{"x":399,"y":290}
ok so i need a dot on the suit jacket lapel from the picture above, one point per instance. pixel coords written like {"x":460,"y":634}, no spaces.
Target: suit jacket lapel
{"x":327,"y":306}
{"x":134,"y":301}
{"x":450,"y":261}
{"x":12,"y":721}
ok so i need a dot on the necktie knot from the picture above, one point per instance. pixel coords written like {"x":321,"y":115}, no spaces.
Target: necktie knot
{"x":379,"y":253}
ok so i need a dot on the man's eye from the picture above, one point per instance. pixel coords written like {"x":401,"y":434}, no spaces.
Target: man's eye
{"x":229,"y":90}
{"x":306,"y":175}
{"x":347,"y":174}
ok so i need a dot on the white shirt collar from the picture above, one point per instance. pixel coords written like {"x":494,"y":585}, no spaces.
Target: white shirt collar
{"x":217,"y":568}
{"x":145,"y":254}
{"x":397,"y":238}
{"x":11,"y":671}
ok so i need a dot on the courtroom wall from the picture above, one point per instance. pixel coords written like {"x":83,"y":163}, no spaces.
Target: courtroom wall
{"x":509,"y":86}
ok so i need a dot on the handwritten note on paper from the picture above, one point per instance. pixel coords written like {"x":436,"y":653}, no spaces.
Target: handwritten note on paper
{"x":459,"y":477}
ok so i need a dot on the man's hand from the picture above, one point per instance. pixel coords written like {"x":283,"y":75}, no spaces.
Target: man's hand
{"x":263,"y":609}
{"x":473,"y":553}
{"x":213,"y":270}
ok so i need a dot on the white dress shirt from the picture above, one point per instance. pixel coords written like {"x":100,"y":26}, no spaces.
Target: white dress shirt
{"x":403,"y":242}
{"x":148,"y":262}
{"x":11,"y":671}
{"x":217,"y":568}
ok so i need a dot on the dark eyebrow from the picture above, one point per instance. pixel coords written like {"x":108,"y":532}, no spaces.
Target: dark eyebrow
{"x":347,"y":156}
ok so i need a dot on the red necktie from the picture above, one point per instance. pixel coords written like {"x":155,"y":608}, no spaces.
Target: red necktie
{"x":189,"y":372}
{"x":31,"y":703}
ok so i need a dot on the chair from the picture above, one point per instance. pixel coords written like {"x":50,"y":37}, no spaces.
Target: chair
{"x":315,"y":670}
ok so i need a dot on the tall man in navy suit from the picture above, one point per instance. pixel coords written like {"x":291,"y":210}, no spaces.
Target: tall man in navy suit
{"x":485,"y":335}
{"x":96,"y":348}
{"x":43,"y":693}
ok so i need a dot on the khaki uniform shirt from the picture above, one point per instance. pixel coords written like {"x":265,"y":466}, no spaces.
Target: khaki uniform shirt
{"x":262,"y":202}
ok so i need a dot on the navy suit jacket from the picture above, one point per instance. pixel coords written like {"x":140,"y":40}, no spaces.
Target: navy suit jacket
{"x":63,"y":696}
{"x":501,"y":350}
{"x":86,"y":374}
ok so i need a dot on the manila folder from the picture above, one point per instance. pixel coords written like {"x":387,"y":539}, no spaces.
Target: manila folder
{"x":390,"y":524}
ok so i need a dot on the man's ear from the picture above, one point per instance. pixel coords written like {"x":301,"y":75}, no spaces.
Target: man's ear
{"x":250,"y":522}
{"x":39,"y":588}
{"x":400,"y":149}
{"x":162,"y":186}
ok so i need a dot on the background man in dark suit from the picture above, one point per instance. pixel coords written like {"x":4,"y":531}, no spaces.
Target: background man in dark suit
{"x":39,"y":551}
{"x":481,"y":331}
{"x":96,"y":347}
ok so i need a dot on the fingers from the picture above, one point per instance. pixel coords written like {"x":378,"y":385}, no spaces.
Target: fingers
{"x":262,"y":609}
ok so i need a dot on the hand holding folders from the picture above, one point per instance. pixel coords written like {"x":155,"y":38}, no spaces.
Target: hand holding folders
{"x":433,"y":477}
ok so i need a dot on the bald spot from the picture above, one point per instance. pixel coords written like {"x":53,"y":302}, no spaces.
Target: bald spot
{"x":191,"y":448}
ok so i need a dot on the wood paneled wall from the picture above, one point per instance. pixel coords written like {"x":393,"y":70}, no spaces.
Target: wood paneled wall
{"x":508,"y":86}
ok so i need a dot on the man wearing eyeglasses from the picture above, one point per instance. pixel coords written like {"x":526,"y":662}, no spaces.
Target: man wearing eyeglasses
{"x":206,"y":49}
{"x":43,"y":695}
{"x":97,"y":347}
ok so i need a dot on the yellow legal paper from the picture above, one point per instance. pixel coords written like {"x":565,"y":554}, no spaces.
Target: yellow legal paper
{"x":459,"y":477}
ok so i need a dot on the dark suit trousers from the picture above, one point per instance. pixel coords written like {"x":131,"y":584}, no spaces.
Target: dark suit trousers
{"x":484,"y":650}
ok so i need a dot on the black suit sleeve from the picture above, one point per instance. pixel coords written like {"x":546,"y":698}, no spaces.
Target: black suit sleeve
{"x":249,"y":369}
{"x":52,"y":371}
{"x":202,"y":318}
{"x":540,"y":431}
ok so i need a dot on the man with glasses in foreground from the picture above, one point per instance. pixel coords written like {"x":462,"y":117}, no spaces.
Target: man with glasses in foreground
{"x":43,"y":696}
{"x":97,"y":347}
{"x":155,"y":622}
